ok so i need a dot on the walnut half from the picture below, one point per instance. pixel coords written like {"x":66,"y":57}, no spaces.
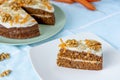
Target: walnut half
{"x":44,"y":0}
{"x":6,"y":17}
{"x":72,"y":43}
{"x":15,"y":6}
{"x":93,"y":44}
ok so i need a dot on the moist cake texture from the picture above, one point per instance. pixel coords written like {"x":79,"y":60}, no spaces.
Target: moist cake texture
{"x":80,"y":54}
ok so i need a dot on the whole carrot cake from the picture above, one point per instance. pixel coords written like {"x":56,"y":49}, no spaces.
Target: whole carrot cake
{"x":80,"y":54}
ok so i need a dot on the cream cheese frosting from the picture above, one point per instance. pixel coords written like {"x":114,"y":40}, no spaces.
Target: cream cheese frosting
{"x":82,"y":47}
{"x":47,"y":16}
{"x":88,"y":46}
{"x":79,"y":60}
{"x":5,"y":8}
{"x":40,"y":5}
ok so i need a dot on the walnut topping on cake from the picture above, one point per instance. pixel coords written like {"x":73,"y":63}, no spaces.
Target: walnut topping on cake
{"x":92,"y":44}
{"x":6,"y":17}
{"x":24,"y":2}
{"x":44,"y":0}
{"x":72,"y":43}
{"x":15,"y":6}
{"x":2,"y":1}
{"x":29,"y":1}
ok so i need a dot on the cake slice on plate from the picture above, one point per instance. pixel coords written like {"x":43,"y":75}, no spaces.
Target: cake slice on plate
{"x":80,"y":54}
{"x":41,"y":10}
{"x":16,"y":23}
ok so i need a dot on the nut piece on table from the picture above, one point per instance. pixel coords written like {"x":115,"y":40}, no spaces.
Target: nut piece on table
{"x":5,"y":73}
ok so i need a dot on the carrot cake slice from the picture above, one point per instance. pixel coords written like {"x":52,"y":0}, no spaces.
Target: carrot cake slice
{"x":16,"y":23}
{"x":80,"y":54}
{"x":41,"y":10}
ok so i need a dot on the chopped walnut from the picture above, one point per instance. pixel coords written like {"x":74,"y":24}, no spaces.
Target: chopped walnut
{"x":87,"y":55}
{"x":2,"y":1}
{"x":44,"y":0}
{"x":6,"y":17}
{"x":29,"y":1}
{"x":4,"y":56}
{"x":5,"y":73}
{"x":15,"y":6}
{"x":72,"y":43}
{"x":19,"y":1}
{"x":92,"y":44}
{"x":24,"y":2}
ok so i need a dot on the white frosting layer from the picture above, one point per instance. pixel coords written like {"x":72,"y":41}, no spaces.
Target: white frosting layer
{"x":79,"y":60}
{"x":83,"y":48}
{"x":40,"y":5}
{"x":5,"y":8}
{"x":39,"y":15}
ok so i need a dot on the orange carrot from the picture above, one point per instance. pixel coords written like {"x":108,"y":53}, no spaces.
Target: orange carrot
{"x":66,"y":1}
{"x":93,"y":0}
{"x":86,"y":4}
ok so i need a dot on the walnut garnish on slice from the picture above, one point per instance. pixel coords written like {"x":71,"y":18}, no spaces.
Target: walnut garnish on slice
{"x":25,"y":2}
{"x":93,"y":44}
{"x":15,"y":6}
{"x":6,"y":17}
{"x":5,"y":73}
{"x":72,"y":43}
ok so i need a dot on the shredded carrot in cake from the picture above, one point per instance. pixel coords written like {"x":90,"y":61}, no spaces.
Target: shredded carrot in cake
{"x":11,"y":22}
{"x":17,"y":17}
{"x":33,"y":21}
{"x":62,"y":45}
{"x":25,"y":19}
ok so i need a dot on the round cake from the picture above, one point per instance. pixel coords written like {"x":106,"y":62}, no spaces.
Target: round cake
{"x":19,"y":19}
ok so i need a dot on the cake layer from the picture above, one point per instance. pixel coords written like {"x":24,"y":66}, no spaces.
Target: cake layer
{"x":41,"y":16}
{"x":79,"y":55}
{"x":20,"y":33}
{"x":79,"y":64}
